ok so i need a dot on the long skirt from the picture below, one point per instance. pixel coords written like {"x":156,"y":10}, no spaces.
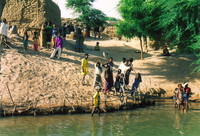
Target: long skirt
{"x":98,"y":81}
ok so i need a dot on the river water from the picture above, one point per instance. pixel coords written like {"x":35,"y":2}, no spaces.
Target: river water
{"x":159,"y":120}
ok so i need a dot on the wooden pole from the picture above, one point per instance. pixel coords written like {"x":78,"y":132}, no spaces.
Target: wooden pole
{"x":10,"y":94}
{"x":14,"y":109}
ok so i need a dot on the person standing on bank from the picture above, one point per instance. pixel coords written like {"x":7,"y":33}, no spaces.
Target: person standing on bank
{"x":84,"y":67}
{"x":96,"y":98}
{"x":35,"y":41}
{"x":136,"y":83}
{"x":25,"y":40}
{"x":49,"y":34}
{"x":108,"y":76}
{"x":117,"y":81}
{"x":58,"y":46}
{"x":4,"y":30}
{"x":97,"y":78}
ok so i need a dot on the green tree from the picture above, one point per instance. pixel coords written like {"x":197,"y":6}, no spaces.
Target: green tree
{"x":171,"y":22}
{"x":111,"y":19}
{"x":89,"y":16}
{"x":196,"y":47}
{"x":135,"y":20}
{"x":179,"y":22}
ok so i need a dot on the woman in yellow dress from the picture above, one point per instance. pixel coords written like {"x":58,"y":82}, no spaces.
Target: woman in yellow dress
{"x":84,"y":67}
{"x":96,"y":103}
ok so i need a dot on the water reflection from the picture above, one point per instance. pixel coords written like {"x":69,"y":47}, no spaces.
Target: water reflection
{"x":157,"y":121}
{"x":177,"y":123}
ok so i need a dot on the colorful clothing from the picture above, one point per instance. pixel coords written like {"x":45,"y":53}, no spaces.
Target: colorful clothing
{"x":59,"y":42}
{"x":84,"y":65}
{"x":35,"y":43}
{"x":59,"y":45}
{"x":96,"y":99}
{"x":35,"y":47}
{"x":186,"y":94}
{"x":179,"y":97}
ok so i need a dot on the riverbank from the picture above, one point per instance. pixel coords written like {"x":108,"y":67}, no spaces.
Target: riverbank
{"x":108,"y":104}
{"x":33,"y":81}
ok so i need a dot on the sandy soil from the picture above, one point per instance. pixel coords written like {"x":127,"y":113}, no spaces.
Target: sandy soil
{"x":34,"y":77}
{"x":158,"y":72}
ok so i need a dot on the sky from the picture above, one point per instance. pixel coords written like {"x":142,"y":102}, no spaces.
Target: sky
{"x":109,"y":7}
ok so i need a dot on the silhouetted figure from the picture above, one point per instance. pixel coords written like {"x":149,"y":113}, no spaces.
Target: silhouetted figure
{"x":166,"y":51}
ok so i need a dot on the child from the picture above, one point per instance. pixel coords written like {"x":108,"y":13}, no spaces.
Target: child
{"x":35,"y":41}
{"x":97,"y":48}
{"x":25,"y":39}
{"x":136,"y":83}
{"x":179,"y":96}
{"x":186,"y":95}
{"x":117,"y":85}
{"x":122,"y":84}
{"x":58,"y":46}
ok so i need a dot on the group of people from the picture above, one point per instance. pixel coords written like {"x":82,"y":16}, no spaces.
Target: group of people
{"x":121,"y":81}
{"x":51,"y":37}
{"x":181,"y":96}
{"x":26,"y":40}
{"x":119,"y":84}
{"x":67,"y":29}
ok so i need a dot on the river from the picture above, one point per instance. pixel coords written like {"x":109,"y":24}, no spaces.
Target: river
{"x":159,"y":120}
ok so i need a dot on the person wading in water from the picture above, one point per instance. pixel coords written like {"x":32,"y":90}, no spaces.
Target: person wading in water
{"x":186,"y":95}
{"x":180,"y":96}
{"x":96,"y":103}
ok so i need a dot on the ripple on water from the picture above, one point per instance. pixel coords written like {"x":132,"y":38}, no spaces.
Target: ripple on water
{"x":155,"y":120}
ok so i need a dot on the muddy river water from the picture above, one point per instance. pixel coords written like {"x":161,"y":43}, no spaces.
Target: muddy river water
{"x":159,"y":120}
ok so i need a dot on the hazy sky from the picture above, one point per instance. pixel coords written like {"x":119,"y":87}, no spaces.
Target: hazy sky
{"x":109,"y":7}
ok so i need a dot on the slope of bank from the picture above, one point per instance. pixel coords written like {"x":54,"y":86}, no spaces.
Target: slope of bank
{"x":35,"y":81}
